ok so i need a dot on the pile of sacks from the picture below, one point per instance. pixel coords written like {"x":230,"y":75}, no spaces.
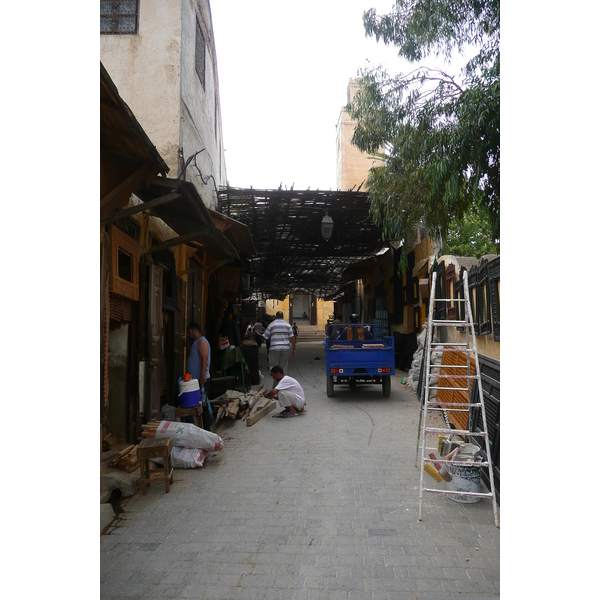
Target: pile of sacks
{"x":415,"y":368}
{"x":191,"y":444}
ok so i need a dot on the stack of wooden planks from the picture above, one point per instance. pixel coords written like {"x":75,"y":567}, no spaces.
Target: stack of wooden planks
{"x":249,"y":407}
{"x":149,"y":429}
{"x":126,"y":460}
{"x":259,"y":410}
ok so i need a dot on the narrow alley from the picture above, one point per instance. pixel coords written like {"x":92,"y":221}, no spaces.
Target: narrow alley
{"x":322,"y":506}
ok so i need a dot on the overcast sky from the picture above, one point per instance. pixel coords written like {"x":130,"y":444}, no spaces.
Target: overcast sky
{"x":283,"y":72}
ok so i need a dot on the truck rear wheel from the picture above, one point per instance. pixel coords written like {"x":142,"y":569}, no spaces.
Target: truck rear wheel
{"x":387,"y":386}
{"x":330,"y":387}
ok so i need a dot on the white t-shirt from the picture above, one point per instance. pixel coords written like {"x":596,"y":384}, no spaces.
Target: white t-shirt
{"x":291,"y":385}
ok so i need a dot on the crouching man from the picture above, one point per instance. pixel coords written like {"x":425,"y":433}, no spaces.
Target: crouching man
{"x":289,"y":393}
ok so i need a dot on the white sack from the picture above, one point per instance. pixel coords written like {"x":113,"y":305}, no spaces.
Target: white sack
{"x":184,"y":458}
{"x":188,"y":435}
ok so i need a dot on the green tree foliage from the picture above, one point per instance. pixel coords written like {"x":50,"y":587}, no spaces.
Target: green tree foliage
{"x":439,"y":136}
{"x":471,"y":235}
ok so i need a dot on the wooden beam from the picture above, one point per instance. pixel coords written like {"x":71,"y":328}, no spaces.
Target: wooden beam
{"x":128,"y":186}
{"x":216,"y":265}
{"x":126,"y":212}
{"x":257,"y":416}
{"x":180,"y":239}
{"x":212,"y":267}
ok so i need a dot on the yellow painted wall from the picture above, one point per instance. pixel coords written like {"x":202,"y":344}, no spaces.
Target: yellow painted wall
{"x":272,"y":306}
{"x":324,"y":311}
{"x":352,"y":165}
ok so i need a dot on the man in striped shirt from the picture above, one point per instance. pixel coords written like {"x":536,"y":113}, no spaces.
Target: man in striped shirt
{"x":282,"y":341}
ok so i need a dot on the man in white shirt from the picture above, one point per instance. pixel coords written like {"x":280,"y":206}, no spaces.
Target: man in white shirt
{"x":282,"y":341}
{"x":289,"y":393}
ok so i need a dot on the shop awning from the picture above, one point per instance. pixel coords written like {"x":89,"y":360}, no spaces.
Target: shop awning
{"x":128,"y":158}
{"x":237,"y":233}
{"x":180,"y":206}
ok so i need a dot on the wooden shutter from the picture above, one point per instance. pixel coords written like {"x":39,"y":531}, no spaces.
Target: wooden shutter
{"x":494,"y":283}
{"x":483,"y":289}
{"x":490,"y":385}
{"x":194,"y":297}
{"x":450,"y":280}
{"x":439,"y":308}
{"x":409,"y":289}
{"x":154,"y":338}
{"x":179,"y":341}
{"x":104,"y":321}
{"x":459,"y":294}
{"x":473,"y":297}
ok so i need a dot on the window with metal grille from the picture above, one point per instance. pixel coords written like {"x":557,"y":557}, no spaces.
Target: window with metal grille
{"x":200,"y":53}
{"x":119,"y":17}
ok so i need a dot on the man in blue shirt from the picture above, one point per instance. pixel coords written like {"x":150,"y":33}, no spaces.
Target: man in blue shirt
{"x":198,"y":364}
{"x":198,"y":360}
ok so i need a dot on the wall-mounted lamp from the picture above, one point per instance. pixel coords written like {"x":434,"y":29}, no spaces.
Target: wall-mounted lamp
{"x":326,"y":227}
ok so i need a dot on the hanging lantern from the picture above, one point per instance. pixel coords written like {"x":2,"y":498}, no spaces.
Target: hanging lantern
{"x":326,"y":227}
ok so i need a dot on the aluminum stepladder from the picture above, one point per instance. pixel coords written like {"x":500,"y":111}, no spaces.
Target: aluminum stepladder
{"x":469,"y":348}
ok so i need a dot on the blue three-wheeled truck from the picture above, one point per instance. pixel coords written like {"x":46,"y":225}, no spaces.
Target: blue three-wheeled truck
{"x":355,"y":358}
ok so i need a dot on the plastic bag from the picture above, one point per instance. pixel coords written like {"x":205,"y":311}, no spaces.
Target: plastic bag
{"x":421,"y":337}
{"x":188,"y":435}
{"x":184,"y":458}
{"x":169,"y":411}
{"x":436,"y":355}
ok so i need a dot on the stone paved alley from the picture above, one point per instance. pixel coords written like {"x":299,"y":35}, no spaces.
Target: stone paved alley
{"x":322,"y":506}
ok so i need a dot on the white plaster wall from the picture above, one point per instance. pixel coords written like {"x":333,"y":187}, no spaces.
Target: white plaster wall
{"x":146,"y":70}
{"x":200,"y":105}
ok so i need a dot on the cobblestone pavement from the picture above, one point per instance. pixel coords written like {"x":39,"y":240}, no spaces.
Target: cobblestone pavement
{"x":321,"y":506}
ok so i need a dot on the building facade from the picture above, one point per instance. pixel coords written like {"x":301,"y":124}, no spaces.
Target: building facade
{"x":162,"y":57}
{"x":352,"y":165}
{"x":188,"y":260}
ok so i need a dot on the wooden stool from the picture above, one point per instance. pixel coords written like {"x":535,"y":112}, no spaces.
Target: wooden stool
{"x":194,"y":411}
{"x":155,"y":448}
